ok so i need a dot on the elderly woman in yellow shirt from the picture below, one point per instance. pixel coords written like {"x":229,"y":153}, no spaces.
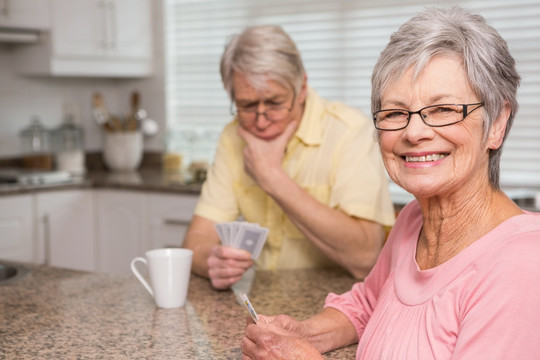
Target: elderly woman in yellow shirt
{"x":304,"y":167}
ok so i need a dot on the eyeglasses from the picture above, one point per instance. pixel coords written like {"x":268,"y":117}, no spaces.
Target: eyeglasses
{"x":434,"y":115}
{"x":273,"y":112}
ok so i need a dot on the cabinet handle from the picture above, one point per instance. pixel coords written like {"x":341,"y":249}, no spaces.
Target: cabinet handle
{"x":47,"y":238}
{"x":176,"y":222}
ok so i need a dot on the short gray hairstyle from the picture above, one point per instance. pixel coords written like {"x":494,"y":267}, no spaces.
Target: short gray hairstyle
{"x":489,"y":66}
{"x":262,"y":52}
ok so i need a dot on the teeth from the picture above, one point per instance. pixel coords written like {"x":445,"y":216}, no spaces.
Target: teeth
{"x":432,"y":157}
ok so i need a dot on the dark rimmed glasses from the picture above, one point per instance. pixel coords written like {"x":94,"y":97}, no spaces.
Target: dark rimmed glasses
{"x":434,"y":115}
{"x":272,"y":112}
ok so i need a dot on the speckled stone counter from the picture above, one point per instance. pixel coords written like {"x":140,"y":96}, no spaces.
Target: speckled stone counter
{"x":54,"y":313}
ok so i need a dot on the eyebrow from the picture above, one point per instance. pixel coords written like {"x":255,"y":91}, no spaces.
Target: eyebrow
{"x":275,"y":98}
{"x":394,"y":104}
{"x":398,"y":104}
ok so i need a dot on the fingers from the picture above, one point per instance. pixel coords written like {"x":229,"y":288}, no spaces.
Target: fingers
{"x":264,"y":319}
{"x":248,"y":348}
{"x":228,"y":252}
{"x":290,"y":130}
{"x":224,"y":283}
{"x":227,"y":265}
{"x":224,"y":278}
{"x":268,"y":342}
{"x":249,"y":341}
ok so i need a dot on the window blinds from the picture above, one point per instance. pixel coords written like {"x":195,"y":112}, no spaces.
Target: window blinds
{"x":340,"y":41}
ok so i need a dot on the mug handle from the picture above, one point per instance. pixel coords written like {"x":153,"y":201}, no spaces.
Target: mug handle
{"x":138,"y":274}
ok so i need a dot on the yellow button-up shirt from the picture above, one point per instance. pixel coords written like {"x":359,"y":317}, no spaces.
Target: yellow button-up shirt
{"x":333,"y":156}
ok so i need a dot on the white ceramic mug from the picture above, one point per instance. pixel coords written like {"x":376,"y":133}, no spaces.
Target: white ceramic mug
{"x":169,"y":271}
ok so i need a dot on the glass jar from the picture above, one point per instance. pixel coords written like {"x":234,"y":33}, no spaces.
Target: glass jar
{"x":192,"y":150}
{"x":68,"y":141}
{"x":36,"y":146}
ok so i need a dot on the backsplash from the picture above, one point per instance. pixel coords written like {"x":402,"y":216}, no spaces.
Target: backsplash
{"x":23,"y":97}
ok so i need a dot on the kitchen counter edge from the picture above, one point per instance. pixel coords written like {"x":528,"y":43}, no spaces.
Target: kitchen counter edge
{"x":143,"y":180}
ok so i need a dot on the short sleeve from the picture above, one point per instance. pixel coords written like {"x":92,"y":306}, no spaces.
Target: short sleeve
{"x":359,"y":184}
{"x":217,"y":201}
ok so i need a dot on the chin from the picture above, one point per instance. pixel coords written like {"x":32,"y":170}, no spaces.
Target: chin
{"x":267,"y":137}
{"x":422,"y":188}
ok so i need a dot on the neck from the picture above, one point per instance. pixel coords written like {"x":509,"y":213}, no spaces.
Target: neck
{"x":453,"y":223}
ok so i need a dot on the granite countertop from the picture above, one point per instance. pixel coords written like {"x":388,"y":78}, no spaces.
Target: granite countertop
{"x":54,"y":313}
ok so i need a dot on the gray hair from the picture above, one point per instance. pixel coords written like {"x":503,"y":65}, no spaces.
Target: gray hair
{"x":261,"y":53}
{"x":489,"y":66}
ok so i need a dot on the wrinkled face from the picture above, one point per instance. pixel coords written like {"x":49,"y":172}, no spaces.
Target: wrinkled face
{"x":280,"y":104}
{"x":436,"y":161}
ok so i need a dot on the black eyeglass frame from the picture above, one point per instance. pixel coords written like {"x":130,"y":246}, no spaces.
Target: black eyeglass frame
{"x":256,"y":113}
{"x":419,"y":112}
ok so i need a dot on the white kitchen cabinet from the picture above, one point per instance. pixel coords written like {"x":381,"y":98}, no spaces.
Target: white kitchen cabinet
{"x":66,"y":229}
{"x":91,"y":230}
{"x":16,"y":228}
{"x":122,"y":225}
{"x":98,"y":38}
{"x":170,"y":215}
{"x":24,"y":14}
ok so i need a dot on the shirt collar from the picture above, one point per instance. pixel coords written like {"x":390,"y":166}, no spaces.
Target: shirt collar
{"x":310,"y":128}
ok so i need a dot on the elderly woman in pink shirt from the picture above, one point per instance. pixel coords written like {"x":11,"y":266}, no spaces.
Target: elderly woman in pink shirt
{"x":459,"y":277}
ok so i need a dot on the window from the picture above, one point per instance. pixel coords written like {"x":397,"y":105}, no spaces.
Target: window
{"x":340,"y":41}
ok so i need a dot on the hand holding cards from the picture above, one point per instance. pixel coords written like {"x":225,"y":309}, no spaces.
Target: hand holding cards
{"x":243,"y":235}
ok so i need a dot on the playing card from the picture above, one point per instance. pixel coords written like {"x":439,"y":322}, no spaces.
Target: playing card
{"x":243,"y":235}
{"x":249,"y":307}
{"x":221,"y":232}
{"x":252,"y":239}
{"x":235,"y":229}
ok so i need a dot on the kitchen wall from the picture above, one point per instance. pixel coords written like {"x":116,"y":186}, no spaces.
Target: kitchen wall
{"x":22,"y":97}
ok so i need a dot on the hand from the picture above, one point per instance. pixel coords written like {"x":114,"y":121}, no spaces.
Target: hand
{"x":270,"y":340}
{"x":286,"y":322}
{"x":262,"y":158}
{"x":226,"y":265}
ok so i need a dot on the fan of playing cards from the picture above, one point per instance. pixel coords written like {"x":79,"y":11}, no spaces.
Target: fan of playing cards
{"x":243,"y":235}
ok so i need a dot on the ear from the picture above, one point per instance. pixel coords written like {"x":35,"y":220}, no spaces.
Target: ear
{"x":303,"y":91}
{"x":498,"y":128}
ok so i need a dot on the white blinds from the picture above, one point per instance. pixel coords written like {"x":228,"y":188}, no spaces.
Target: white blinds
{"x":340,"y":41}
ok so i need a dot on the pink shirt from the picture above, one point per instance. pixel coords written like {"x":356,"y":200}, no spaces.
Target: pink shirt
{"x":482,"y":304}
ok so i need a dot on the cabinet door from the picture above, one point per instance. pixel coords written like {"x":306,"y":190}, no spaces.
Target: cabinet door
{"x":102,"y":28}
{"x":79,"y":28}
{"x":170,"y":215}
{"x":98,"y":38}
{"x":66,"y":228}
{"x":130,"y":21}
{"x":16,"y":228}
{"x":25,"y":14}
{"x":121,"y":229}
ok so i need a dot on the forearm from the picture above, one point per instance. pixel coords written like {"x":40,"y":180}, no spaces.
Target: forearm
{"x":198,"y":240}
{"x":352,"y":243}
{"x":200,"y":255}
{"x":330,"y":330}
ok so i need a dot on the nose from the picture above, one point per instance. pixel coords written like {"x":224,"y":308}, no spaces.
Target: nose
{"x":417,"y":130}
{"x":261,"y":120}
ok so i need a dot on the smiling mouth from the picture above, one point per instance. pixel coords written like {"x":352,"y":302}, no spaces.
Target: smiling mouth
{"x":427,"y":158}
